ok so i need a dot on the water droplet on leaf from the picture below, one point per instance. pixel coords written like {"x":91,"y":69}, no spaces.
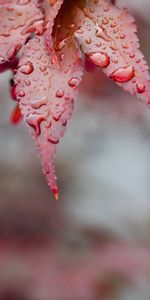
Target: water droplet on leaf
{"x":26,"y":68}
{"x":100,"y":59}
{"x":123,"y":74}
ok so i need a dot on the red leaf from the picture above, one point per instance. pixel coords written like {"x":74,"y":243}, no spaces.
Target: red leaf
{"x":18,"y":19}
{"x":108,"y":37}
{"x":46,"y":84}
{"x":46,"y":93}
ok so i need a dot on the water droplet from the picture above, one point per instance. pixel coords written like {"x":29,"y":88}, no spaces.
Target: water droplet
{"x":21,"y":94}
{"x":53,"y":140}
{"x":123,"y":74}
{"x":61,"y":57}
{"x":140,"y":88}
{"x":113,"y":24}
{"x":113,"y":46}
{"x":39,"y":102}
{"x":43,"y":68}
{"x":138,"y":60}
{"x":105,"y":21}
{"x":74,"y":82}
{"x":61,"y":45}
{"x":100,"y":59}
{"x":34,"y":121}
{"x":125,"y":46}
{"x":101,"y":33}
{"x":27,"y":82}
{"x":122,"y":36}
{"x":26,"y":68}
{"x":60,"y":93}
{"x":88,"y":41}
{"x":132,"y":55}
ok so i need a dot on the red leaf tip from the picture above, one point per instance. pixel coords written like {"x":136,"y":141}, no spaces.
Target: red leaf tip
{"x":55,"y":193}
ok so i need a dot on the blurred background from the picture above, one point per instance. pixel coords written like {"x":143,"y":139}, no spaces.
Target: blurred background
{"x":94,"y":244}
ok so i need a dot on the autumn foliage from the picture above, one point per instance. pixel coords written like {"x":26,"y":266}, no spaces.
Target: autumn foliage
{"x":51,"y":40}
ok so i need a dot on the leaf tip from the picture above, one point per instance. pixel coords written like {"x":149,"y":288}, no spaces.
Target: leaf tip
{"x":55,"y":193}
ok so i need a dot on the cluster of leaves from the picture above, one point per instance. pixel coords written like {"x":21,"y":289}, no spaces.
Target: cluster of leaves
{"x":46,"y":43}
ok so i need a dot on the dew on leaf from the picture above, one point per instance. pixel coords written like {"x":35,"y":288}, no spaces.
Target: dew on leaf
{"x":101,"y":33}
{"x":34,"y":121}
{"x":123,"y":74}
{"x":74,"y":82}
{"x":53,"y":140}
{"x":21,"y":94}
{"x":27,"y":82}
{"x":60,"y":93}
{"x":140,"y":88}
{"x":26,"y":68}
{"x":39,"y":102}
{"x":100,"y":59}
{"x":43,"y":68}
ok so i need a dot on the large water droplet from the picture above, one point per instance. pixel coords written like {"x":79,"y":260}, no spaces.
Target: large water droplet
{"x":26,"y":68}
{"x":123,"y":74}
{"x":100,"y":59}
